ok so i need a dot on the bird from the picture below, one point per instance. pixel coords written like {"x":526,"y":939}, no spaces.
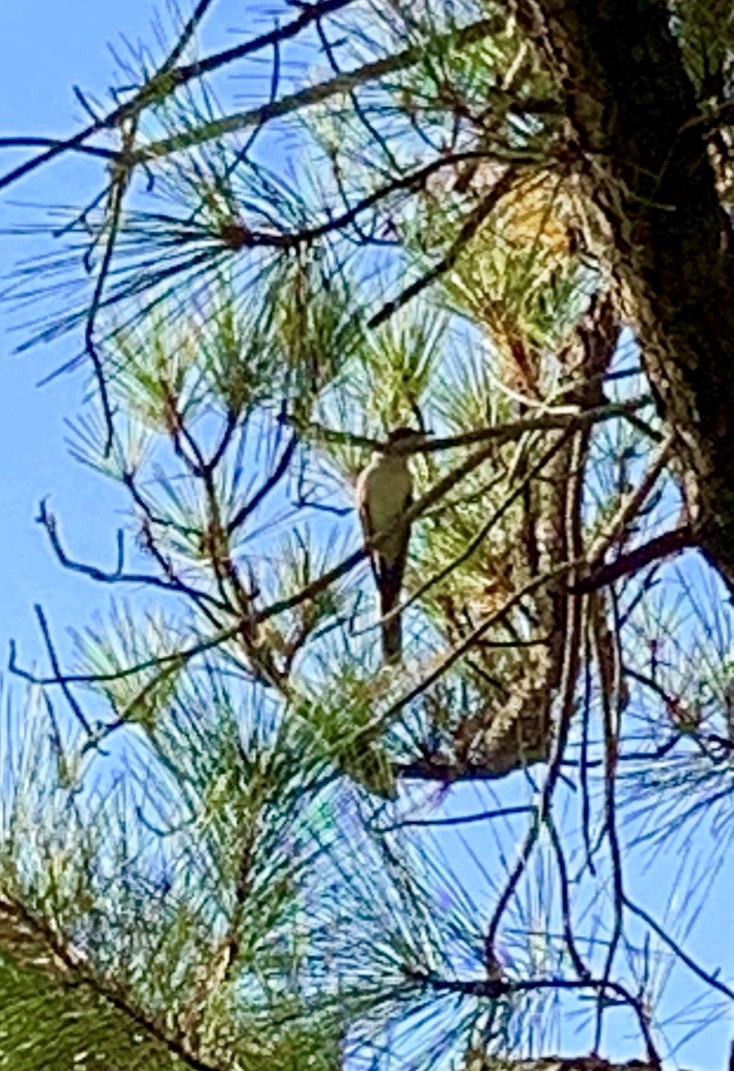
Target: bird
{"x":384,"y":494}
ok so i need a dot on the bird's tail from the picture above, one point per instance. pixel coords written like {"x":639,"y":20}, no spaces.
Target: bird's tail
{"x":392,"y":632}
{"x":392,"y":639}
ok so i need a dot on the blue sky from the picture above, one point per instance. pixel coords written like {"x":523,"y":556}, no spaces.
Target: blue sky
{"x":45,"y":48}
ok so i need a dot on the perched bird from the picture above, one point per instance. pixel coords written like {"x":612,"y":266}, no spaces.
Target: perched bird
{"x":384,"y":493}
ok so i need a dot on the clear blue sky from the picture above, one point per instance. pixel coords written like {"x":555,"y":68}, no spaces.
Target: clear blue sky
{"x":46,"y":46}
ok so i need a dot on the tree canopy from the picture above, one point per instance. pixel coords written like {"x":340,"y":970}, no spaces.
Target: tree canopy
{"x":230,"y":838}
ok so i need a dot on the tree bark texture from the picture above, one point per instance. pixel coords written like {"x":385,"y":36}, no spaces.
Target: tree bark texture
{"x":634,"y":127}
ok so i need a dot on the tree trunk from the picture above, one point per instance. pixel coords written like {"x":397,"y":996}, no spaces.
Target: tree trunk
{"x":634,"y":126}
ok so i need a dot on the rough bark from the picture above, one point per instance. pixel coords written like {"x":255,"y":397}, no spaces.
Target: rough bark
{"x":635,"y":130}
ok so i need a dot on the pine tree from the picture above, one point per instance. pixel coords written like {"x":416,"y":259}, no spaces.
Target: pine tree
{"x":232,"y":838}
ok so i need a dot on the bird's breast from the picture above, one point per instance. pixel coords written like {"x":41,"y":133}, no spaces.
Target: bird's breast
{"x":387,"y":488}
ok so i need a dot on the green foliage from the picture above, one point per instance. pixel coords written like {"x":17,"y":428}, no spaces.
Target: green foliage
{"x":343,"y":723}
{"x":48,"y":1024}
{"x":240,"y":847}
{"x":111,"y":652}
{"x":706,"y":32}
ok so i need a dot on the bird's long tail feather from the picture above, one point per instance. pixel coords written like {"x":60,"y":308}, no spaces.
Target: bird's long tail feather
{"x":392,"y":634}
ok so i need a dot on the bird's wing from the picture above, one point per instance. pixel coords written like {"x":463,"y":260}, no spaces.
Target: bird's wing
{"x":399,"y":564}
{"x":390,"y":571}
{"x":368,"y":528}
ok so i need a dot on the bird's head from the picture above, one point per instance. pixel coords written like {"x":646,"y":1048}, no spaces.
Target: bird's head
{"x":403,"y":436}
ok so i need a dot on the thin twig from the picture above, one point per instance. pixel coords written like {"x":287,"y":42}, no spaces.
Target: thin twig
{"x":458,"y":820}
{"x":119,"y":576}
{"x":78,"y":712}
{"x":571,"y":657}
